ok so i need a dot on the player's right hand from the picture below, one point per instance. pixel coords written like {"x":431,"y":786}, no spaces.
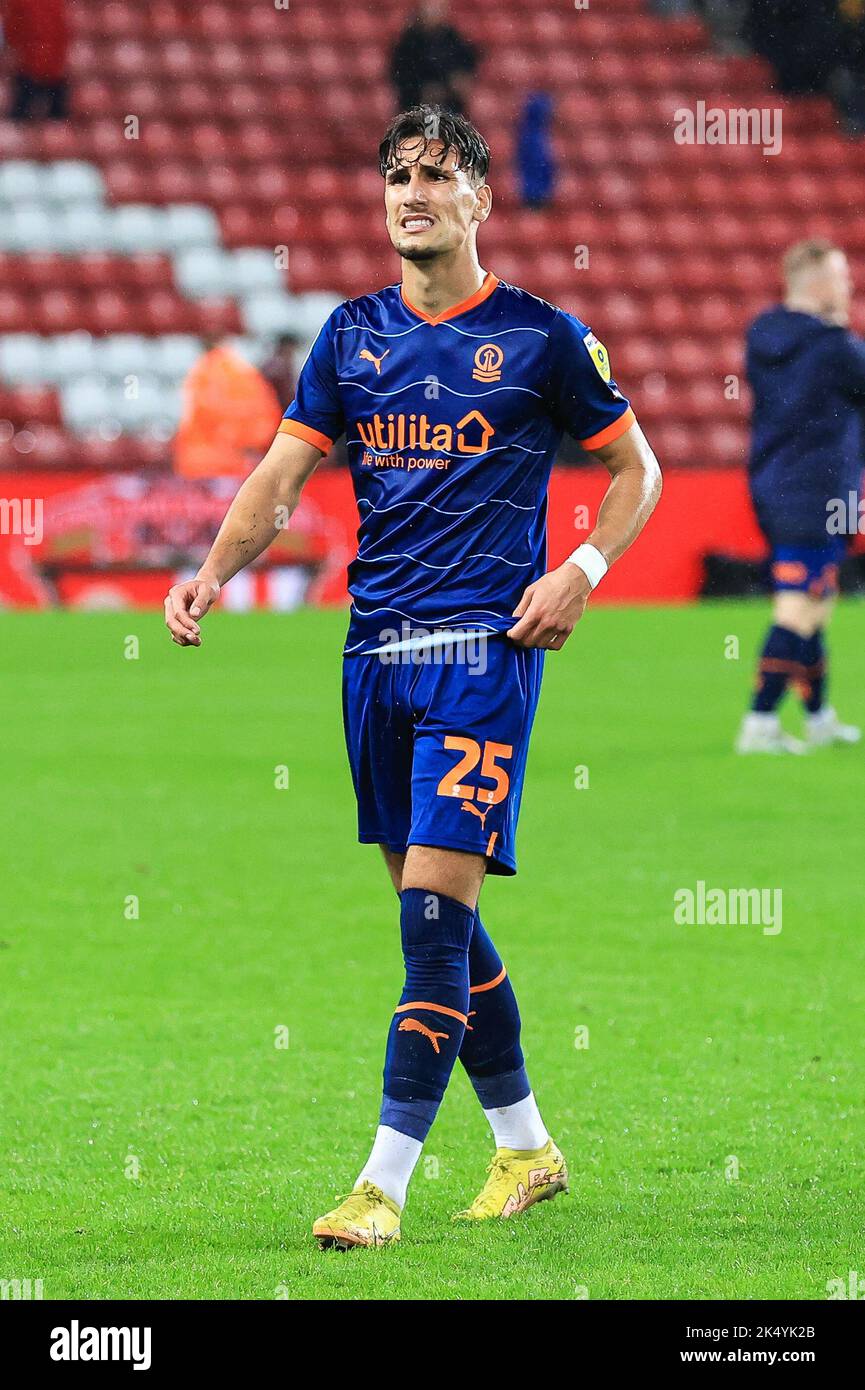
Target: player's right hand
{"x":183,"y":604}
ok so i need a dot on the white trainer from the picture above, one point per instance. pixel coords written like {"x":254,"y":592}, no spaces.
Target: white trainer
{"x":762,"y":733}
{"x":825,"y":727}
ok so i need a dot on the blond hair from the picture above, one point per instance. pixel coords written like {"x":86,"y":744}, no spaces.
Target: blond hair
{"x":806,"y":256}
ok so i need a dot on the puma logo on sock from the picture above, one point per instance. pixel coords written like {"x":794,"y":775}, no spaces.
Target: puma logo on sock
{"x":414,"y":1025}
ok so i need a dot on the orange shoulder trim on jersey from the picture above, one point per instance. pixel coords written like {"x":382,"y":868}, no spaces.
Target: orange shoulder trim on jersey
{"x":613,"y":431}
{"x":315,"y":437}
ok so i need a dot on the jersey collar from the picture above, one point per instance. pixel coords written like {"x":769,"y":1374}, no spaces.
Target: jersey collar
{"x":486,"y":289}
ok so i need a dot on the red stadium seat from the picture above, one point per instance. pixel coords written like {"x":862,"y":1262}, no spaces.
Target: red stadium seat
{"x":163,"y":311}
{"x":104,"y":454}
{"x":93,"y":98}
{"x":240,"y":226}
{"x":111,"y":311}
{"x":27,"y":406}
{"x":129,"y":182}
{"x":216,"y":316}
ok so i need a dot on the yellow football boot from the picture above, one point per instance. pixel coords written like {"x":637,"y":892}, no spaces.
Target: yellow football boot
{"x":516,"y":1181}
{"x":364,"y":1217}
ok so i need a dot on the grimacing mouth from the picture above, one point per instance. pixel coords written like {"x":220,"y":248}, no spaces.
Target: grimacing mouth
{"x":419,"y":217}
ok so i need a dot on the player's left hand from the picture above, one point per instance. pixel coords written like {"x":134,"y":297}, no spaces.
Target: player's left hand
{"x":550,"y":609}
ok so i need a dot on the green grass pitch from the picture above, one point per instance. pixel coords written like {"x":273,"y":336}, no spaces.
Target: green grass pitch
{"x":157,"y":1143}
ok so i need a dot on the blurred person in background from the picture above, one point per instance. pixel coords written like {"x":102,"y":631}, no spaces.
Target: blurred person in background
{"x":280,"y":369}
{"x":230,"y":415}
{"x":814,"y":46}
{"x":726,"y":20}
{"x":799,"y":38}
{"x":807,"y":373}
{"x":672,"y":8}
{"x":847,"y":84}
{"x":432,"y":61}
{"x":536,"y":165}
{"x":36,"y":34}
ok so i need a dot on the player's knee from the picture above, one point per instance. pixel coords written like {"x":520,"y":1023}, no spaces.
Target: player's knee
{"x":800,"y":613}
{"x":451,"y":873}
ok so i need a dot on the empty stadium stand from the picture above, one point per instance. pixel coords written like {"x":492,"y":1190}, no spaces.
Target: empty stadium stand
{"x":212,"y":143}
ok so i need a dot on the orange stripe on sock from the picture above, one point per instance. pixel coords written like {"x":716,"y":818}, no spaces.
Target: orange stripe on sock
{"x":436,"y":1008}
{"x":774,"y":664}
{"x":491,"y":984}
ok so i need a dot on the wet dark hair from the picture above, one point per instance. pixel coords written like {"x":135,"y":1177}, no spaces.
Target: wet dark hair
{"x":432,"y":123}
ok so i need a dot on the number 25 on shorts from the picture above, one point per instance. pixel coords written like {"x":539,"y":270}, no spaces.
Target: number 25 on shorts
{"x":453,"y":785}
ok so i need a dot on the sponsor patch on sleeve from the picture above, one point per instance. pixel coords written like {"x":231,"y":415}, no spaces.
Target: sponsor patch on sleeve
{"x":599,"y":355}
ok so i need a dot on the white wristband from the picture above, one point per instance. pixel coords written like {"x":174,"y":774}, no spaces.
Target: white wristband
{"x":590,"y":560}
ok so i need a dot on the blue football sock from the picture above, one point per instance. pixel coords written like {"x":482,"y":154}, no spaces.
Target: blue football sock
{"x":780,"y":661}
{"x":428,"y":1026}
{"x":491,"y":1052}
{"x":814,"y":660}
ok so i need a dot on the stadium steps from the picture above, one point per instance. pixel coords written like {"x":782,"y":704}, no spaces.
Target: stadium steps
{"x":264,"y":119}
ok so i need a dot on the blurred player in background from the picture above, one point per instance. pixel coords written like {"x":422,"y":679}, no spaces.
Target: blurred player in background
{"x":807,"y":373}
{"x":454,"y":390}
{"x":432,"y":61}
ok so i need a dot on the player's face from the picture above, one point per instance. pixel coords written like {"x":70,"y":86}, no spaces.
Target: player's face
{"x":431,"y":204}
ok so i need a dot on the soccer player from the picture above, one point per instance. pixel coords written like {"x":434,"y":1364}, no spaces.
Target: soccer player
{"x":453,"y":390}
{"x":807,"y":373}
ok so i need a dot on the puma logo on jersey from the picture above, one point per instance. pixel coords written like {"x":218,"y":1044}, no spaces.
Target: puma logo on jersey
{"x":366,"y":356}
{"x":414,"y":1025}
{"x":482,"y":815}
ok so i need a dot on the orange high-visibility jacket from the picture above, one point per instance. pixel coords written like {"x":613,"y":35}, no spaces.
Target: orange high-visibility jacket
{"x":230,"y":417}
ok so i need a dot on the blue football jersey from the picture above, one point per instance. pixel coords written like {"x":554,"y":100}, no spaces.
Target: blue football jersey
{"x":452,"y":426}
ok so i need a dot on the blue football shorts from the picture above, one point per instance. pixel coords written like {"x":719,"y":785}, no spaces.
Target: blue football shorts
{"x":808,"y":569}
{"x":437,"y":742}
